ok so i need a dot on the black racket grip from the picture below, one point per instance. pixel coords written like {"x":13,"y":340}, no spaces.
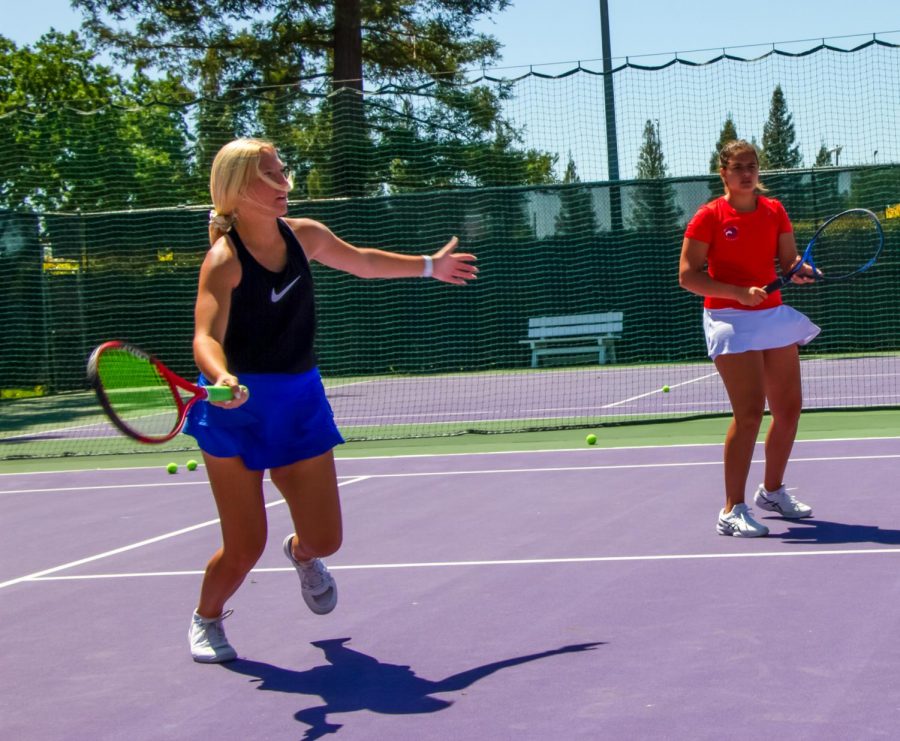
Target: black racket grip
{"x":778,"y":283}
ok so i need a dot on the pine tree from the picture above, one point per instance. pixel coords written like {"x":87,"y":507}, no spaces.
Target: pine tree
{"x":653,"y":204}
{"x":571,"y":174}
{"x":823,"y":157}
{"x":728,"y":134}
{"x":651,"y":161}
{"x":297,"y":73}
{"x":576,"y":215}
{"x":778,"y":149}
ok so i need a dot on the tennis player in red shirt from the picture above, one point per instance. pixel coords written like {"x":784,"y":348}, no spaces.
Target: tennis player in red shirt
{"x":729,"y":253}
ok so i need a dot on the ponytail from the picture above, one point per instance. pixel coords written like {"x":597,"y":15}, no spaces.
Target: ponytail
{"x":219,"y":225}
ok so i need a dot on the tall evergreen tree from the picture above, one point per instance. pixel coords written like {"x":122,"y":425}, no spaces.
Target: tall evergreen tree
{"x":651,"y":161}
{"x":728,"y":134}
{"x":823,"y":157}
{"x":328,"y":54}
{"x":576,"y":217}
{"x":824,"y":195}
{"x":654,"y":206}
{"x":778,"y":149}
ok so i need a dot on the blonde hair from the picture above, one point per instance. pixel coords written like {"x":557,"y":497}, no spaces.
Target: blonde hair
{"x":234,"y":169}
{"x":731,"y":150}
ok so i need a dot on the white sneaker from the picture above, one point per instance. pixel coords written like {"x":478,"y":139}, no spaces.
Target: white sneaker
{"x":739,"y":524}
{"x":782,"y":502}
{"x":316,"y":584}
{"x":208,"y":642}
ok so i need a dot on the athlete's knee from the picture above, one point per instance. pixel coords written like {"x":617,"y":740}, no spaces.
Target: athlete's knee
{"x":319,"y":545}
{"x":748,"y":417}
{"x":787,"y":412}
{"x":241,"y":558}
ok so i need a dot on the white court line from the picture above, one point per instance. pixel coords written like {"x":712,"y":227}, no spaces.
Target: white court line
{"x":156,"y":485}
{"x":617,"y":467}
{"x":98,"y":487}
{"x":133,"y":546}
{"x":478,"y":453}
{"x":46,"y":573}
{"x":476,"y":471}
{"x":499,"y":562}
{"x":658,"y":391}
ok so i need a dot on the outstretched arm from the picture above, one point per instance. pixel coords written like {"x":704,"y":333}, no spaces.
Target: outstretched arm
{"x":470,"y":676}
{"x":322,"y":245}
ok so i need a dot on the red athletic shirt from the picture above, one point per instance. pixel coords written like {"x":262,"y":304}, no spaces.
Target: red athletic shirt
{"x":742,"y":246}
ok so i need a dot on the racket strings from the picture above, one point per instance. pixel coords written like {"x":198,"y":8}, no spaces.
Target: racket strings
{"x":137,"y":393}
{"x":846,"y":245}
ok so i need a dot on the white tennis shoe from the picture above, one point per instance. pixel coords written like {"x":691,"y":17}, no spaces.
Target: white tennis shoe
{"x":208,"y":642}
{"x":782,"y":502}
{"x":739,"y":524}
{"x":316,"y":584}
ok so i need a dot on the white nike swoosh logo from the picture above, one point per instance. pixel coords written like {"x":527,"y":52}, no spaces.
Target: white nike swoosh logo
{"x":277,"y":296}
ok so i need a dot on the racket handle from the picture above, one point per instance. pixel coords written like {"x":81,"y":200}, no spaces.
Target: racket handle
{"x":778,"y":284}
{"x":221,"y":393}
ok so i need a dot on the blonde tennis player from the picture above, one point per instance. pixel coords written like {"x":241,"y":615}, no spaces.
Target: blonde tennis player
{"x":255,"y":325}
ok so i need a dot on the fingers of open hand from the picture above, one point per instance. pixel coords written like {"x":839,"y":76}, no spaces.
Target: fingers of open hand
{"x":456,"y":269}
{"x":448,"y":248}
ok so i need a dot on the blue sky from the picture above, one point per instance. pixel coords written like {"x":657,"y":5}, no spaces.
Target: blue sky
{"x":552,"y":35}
{"x":542,"y":32}
{"x":539,"y":32}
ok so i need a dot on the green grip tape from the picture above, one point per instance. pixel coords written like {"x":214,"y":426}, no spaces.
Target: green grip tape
{"x":222,"y":393}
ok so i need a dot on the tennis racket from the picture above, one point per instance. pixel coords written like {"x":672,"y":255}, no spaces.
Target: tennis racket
{"x":141,"y":396}
{"x":847,"y":244}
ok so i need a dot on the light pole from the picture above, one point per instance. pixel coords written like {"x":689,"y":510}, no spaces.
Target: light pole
{"x":609,"y":106}
{"x":837,"y":154}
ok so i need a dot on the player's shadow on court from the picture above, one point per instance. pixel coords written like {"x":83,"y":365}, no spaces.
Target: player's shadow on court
{"x":353,"y":681}
{"x":812,"y":530}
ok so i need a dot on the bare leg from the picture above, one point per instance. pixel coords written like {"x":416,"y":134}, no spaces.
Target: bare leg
{"x":311,"y":491}
{"x":743,"y":376}
{"x":783,"y":390}
{"x":239,"y":499}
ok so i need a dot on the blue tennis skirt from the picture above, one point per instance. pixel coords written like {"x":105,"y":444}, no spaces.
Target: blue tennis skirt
{"x":287,"y":418}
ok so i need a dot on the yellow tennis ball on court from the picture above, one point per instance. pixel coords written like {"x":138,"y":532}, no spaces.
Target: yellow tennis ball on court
{"x":665,"y":389}
{"x":591,"y":439}
{"x":191,"y":465}
{"x":172,"y":468}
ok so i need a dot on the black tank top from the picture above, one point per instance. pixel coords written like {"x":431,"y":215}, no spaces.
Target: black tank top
{"x":272,"y":321}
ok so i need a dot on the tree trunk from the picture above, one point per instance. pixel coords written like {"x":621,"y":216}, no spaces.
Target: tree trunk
{"x":347,"y":45}
{"x":349,"y":140}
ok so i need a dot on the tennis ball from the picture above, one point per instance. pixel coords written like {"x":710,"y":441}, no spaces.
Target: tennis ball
{"x":591,"y":439}
{"x":172,"y":468}
{"x":191,"y":465}
{"x":665,"y":389}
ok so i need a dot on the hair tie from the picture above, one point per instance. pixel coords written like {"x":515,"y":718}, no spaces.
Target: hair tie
{"x":222,"y":222}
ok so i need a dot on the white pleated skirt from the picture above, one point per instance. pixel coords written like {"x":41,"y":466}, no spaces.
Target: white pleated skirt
{"x":730,"y":331}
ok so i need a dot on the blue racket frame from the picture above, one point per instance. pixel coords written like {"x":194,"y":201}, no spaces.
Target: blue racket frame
{"x":808,"y":259}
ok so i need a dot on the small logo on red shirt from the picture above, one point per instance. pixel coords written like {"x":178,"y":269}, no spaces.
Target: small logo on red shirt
{"x":731,"y":232}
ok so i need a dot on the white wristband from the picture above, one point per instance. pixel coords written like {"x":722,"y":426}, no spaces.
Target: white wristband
{"x":428,"y":270}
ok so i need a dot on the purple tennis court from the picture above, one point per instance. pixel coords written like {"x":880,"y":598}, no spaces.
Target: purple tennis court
{"x":564,"y":594}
